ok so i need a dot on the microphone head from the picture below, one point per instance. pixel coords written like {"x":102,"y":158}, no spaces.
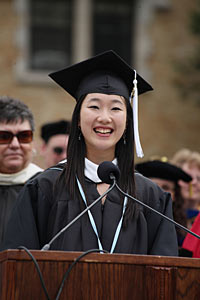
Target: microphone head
{"x":106,"y":170}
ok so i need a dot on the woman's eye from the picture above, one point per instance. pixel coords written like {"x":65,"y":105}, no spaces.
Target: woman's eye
{"x":116,"y":108}
{"x":94,"y":106}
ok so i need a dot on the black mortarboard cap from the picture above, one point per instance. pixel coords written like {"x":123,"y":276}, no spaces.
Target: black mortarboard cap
{"x":162,"y":170}
{"x":106,"y":73}
{"x":50,"y":129}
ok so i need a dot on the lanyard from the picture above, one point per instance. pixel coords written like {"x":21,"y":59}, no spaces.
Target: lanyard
{"x":116,"y":236}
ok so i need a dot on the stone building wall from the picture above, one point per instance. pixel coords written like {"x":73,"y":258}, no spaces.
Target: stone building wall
{"x":167,"y":121}
{"x":46,"y":102}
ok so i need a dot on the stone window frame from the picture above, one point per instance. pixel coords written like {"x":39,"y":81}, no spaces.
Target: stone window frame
{"x":81,"y":47}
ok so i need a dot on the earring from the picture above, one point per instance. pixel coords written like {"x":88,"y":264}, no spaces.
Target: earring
{"x":124,"y":138}
{"x":80,"y":134}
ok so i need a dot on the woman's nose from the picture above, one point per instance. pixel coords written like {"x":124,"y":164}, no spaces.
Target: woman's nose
{"x":104,"y":116}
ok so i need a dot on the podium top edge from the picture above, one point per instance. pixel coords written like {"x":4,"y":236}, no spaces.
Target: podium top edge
{"x":62,"y":256}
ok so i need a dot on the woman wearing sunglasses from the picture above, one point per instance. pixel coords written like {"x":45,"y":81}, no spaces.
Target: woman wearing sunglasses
{"x":101,"y":130}
{"x":16,"y":149}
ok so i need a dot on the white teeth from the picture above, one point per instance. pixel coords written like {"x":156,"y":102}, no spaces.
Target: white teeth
{"x":103,"y":130}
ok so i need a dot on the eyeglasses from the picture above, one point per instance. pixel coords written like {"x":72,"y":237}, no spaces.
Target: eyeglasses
{"x":25,"y":136}
{"x":58,"y":150}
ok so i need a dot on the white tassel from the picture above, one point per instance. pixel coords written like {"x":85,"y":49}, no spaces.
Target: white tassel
{"x":134,"y":100}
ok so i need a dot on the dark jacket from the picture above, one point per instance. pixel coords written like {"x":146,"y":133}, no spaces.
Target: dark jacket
{"x":41,"y":213}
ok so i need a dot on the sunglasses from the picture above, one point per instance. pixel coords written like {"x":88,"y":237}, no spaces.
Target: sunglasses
{"x":58,"y":150}
{"x":25,"y":136}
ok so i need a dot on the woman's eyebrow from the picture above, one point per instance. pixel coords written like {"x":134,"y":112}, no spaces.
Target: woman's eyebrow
{"x":113,"y":101}
{"x":117,"y":101}
{"x":93,"y":99}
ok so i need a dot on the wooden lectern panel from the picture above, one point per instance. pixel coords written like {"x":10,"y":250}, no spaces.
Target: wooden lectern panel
{"x":98,"y":276}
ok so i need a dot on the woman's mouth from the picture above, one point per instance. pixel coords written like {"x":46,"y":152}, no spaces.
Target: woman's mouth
{"x":103,"y":130}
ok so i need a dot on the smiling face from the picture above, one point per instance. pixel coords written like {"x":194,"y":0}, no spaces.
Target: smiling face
{"x":15,"y":156}
{"x":102,"y":122}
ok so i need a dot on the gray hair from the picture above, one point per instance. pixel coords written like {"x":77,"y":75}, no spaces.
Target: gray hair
{"x":13,"y":110}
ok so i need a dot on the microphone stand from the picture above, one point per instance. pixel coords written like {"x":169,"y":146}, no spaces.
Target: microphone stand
{"x":155,"y":211}
{"x":47,"y":246}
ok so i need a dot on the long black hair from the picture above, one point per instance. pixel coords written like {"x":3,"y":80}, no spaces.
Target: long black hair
{"x":124,"y":152}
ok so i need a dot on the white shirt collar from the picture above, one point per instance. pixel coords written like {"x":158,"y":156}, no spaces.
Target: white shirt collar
{"x":91,"y":170}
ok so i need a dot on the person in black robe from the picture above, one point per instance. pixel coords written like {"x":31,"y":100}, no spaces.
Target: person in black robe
{"x":167,"y":176}
{"x":101,"y":130}
{"x":16,"y":149}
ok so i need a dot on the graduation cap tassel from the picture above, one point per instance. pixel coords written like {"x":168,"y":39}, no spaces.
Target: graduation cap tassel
{"x":134,"y":102}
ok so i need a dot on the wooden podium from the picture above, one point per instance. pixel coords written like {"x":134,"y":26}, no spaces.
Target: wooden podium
{"x":98,"y":276}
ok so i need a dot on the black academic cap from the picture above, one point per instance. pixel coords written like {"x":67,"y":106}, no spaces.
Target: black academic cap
{"x":50,"y":129}
{"x":162,"y":170}
{"x":106,"y":73}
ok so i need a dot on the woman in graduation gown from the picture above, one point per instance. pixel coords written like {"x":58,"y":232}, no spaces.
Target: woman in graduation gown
{"x":102,"y":130}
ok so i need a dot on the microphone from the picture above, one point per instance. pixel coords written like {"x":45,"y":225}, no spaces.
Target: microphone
{"x":108,"y":172}
{"x":47,"y":246}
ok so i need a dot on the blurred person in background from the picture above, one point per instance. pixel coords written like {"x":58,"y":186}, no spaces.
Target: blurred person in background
{"x":189,"y":161}
{"x":16,"y":152}
{"x":167,"y":177}
{"x":55,"y":139}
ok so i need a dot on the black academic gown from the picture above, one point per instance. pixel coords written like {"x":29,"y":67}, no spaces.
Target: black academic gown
{"x":40,"y":214}
{"x":8,"y":196}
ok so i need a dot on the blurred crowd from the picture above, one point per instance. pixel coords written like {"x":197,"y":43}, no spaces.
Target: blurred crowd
{"x":180,"y":176}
